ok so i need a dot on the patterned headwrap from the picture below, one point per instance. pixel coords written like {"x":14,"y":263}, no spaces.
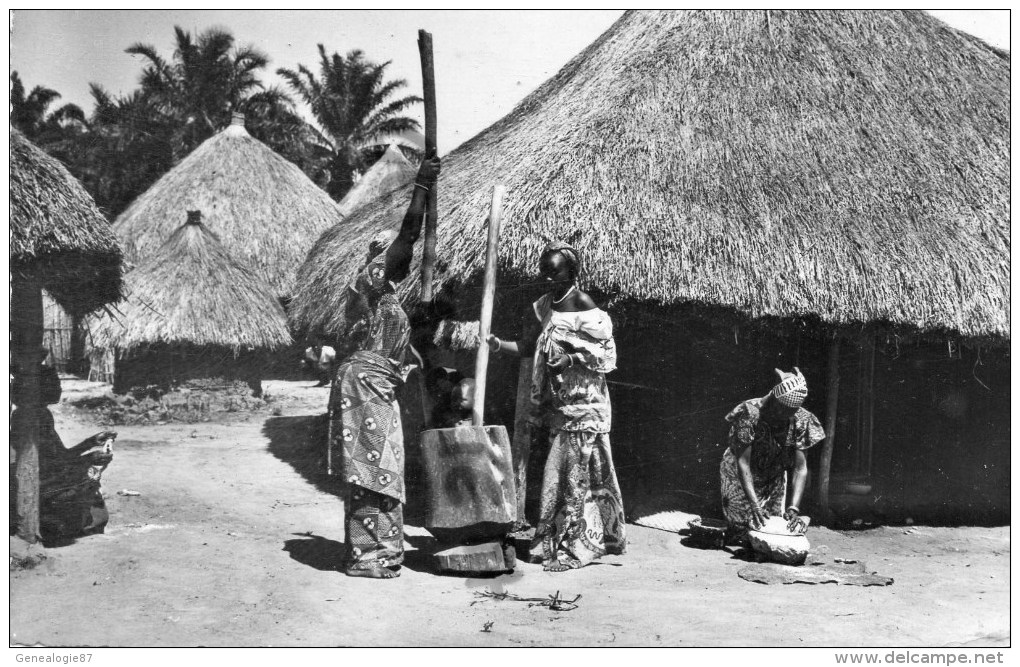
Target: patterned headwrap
{"x":567,"y":251}
{"x":792,"y":388}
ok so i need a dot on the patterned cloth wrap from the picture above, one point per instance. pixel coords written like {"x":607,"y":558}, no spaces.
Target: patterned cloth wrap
{"x":772,"y":454}
{"x":365,"y":422}
{"x":581,"y":508}
{"x":577,"y":398}
{"x":369,"y":437}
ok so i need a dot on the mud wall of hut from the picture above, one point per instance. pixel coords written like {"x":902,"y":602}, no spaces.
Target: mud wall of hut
{"x":166,"y":366}
{"x":941,"y":450}
{"x":59,"y":336}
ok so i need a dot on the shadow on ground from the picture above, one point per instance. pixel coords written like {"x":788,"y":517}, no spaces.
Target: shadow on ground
{"x":300,"y":442}
{"x":315,"y":551}
{"x":326,"y":555}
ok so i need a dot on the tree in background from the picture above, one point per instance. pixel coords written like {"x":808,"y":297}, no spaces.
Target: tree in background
{"x":30,"y":114}
{"x":353,"y":104}
{"x":206,"y":80}
{"x":134,"y":139}
{"x":129,"y":145}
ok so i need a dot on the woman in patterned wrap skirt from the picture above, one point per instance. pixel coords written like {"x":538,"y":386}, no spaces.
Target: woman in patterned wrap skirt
{"x":581,"y":509}
{"x":364,"y":415}
{"x":767,"y":440}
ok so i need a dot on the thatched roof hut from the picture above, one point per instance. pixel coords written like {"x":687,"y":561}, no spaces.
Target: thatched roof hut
{"x":264,"y":209}
{"x":191,"y":291}
{"x":389,"y":172}
{"x":848,"y":166}
{"x":59,"y":241}
{"x":58,"y":234}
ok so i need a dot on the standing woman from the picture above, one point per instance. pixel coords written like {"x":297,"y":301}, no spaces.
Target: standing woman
{"x":364,"y":415}
{"x":581,"y":515}
{"x":766,"y":443}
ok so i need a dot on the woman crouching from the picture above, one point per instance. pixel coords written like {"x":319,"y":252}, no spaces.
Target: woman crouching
{"x":766,"y":443}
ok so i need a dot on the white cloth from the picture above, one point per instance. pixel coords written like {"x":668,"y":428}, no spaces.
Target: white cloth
{"x":324,"y":360}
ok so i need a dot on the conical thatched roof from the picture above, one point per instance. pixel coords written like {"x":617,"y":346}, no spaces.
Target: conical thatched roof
{"x":851,"y":166}
{"x":58,"y":234}
{"x":390,"y":172}
{"x":191,"y":291}
{"x":266,"y":211}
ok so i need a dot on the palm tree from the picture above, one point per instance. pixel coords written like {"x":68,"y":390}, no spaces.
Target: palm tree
{"x":352,"y":102}
{"x":207,"y":79}
{"x":129,"y":145}
{"x":29,"y":113}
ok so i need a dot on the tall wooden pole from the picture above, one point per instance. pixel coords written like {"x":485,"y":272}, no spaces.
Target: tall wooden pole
{"x":488,"y":297}
{"x":27,"y":325}
{"x":830,"y":428}
{"x":869,"y":406}
{"x":520,"y":446}
{"x":428,"y":79}
{"x":428,"y":256}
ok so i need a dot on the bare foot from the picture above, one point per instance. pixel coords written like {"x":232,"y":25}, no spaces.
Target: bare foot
{"x":556,"y":566}
{"x":373,"y":572}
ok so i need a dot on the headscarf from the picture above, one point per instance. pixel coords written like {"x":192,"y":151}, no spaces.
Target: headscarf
{"x":792,"y":388}
{"x":568,"y":251}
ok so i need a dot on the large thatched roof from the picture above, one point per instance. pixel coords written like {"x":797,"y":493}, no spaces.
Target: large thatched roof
{"x":389,"y":172}
{"x":847,"y":165}
{"x":191,"y":291}
{"x":58,"y":234}
{"x":264,"y":209}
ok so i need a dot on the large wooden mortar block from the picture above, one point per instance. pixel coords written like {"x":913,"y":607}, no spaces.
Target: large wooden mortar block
{"x":469,"y":479}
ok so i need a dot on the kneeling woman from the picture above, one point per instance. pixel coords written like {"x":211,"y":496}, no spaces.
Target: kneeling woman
{"x":766,"y":442}
{"x":581,"y":516}
{"x":364,"y":415}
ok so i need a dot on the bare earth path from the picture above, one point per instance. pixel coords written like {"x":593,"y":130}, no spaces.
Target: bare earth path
{"x":233,"y":541}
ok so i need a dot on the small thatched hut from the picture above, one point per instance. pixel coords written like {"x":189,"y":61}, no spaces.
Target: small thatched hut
{"x":747,"y":188}
{"x":265,"y":210}
{"x":192,"y":311}
{"x":58,"y":236}
{"x":389,"y":173}
{"x":61,"y":242}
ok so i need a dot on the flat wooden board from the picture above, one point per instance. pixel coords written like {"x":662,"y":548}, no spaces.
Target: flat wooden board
{"x":486,"y":557}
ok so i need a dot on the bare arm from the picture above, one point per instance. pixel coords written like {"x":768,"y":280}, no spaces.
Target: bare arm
{"x":758,"y":515}
{"x":799,"y":474}
{"x":523,"y":347}
{"x":398,"y":255}
{"x":799,"y":478}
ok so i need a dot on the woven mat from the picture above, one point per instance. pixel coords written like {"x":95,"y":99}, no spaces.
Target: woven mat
{"x":674,"y":521}
{"x":838,"y":571}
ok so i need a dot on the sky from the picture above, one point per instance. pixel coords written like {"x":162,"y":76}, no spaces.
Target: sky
{"x":485,"y":61}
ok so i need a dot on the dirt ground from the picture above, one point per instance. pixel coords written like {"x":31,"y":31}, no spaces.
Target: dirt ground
{"x":236,"y":534}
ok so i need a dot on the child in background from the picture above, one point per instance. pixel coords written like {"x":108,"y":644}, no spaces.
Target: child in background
{"x":462,"y":403}
{"x":319,"y":359}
